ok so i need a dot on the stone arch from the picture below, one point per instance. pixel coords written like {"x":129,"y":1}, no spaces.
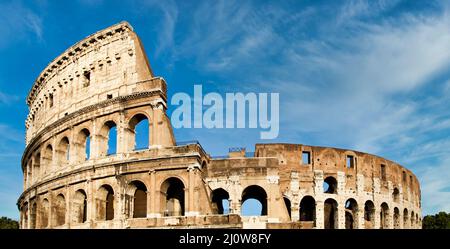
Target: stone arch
{"x":105,"y":203}
{"x":63,"y":152}
{"x":47,"y":159}
{"x":396,"y":195}
{"x":219,"y":196}
{"x":106,"y":137}
{"x":137,"y":194}
{"x":330,"y":214}
{"x":308,"y":209}
{"x":172,"y":197}
{"x":33,"y":215}
{"x":412,"y":220}
{"x":59,"y":210}
{"x":369,"y":214}
{"x":43,"y":214}
{"x":255,"y":192}
{"x":138,"y":119}
{"x":351,"y":214}
{"x":396,"y":218}
{"x":25,"y":215}
{"x":384,"y":216}
{"x":405,"y":218}
{"x":330,"y":185}
{"x":83,"y":142}
{"x":79,"y":206}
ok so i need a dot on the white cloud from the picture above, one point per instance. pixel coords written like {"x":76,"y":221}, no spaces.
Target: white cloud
{"x":17,"y":22}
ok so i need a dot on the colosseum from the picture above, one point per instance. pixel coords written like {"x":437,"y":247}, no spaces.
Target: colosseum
{"x":104,"y":83}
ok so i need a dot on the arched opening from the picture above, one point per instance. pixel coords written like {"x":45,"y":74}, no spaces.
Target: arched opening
{"x":108,"y":139}
{"x":417,"y":220}
{"x":43,"y":214}
{"x":63,"y":152}
{"x":36,"y":167}
{"x":25,"y":215}
{"x":308,"y":209}
{"x":220,"y":200}
{"x":172,"y":200}
{"x":84,"y":145}
{"x":139,"y":201}
{"x":47,"y":159}
{"x":79,"y":207}
{"x":369,"y":214}
{"x":405,"y":218}
{"x":396,"y":195}
{"x":384,"y":216}
{"x":330,"y":185}
{"x":105,"y":203}
{"x":351,"y":214}
{"x":59,"y":210}
{"x":330,"y":214}
{"x":287,"y":204}
{"x":140,"y":132}
{"x":254,"y":201}
{"x":33,"y":216}
{"x":412,"y":219}
{"x":396,"y":218}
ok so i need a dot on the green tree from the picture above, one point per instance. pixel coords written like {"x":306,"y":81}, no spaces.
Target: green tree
{"x":437,"y":221}
{"x":7,"y":223}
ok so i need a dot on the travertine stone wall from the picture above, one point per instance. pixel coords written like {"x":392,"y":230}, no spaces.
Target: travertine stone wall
{"x":73,"y":180}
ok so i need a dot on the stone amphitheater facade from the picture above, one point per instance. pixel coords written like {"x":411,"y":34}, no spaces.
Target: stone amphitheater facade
{"x":105,"y":81}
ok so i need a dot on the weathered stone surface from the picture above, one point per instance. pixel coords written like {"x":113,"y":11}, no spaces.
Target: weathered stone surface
{"x":105,"y":82}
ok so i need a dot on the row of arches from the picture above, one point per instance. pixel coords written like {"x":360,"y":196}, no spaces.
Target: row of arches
{"x":79,"y":147}
{"x":106,"y":202}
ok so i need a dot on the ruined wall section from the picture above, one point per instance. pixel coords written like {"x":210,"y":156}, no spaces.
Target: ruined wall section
{"x":102,"y":66}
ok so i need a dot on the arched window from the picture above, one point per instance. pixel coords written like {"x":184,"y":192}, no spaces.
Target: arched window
{"x":140,"y":132}
{"x":384,"y":216}
{"x":105,"y":203}
{"x":79,"y":207}
{"x":369,"y":214}
{"x":412,"y":219}
{"x":172,"y":199}
{"x":84,"y":144}
{"x":220,"y":200}
{"x":405,"y":218}
{"x":47,"y":159}
{"x":396,"y":218}
{"x":108,"y":139}
{"x":139,"y":202}
{"x":43,"y":214}
{"x":330,"y":214}
{"x":254,"y":201}
{"x":62,"y":151}
{"x":60,"y":210}
{"x":351,"y":214}
{"x":396,"y":195}
{"x":330,"y":185}
{"x":308,"y":209}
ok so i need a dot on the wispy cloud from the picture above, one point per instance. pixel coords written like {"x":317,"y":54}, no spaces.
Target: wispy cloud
{"x":363,"y":77}
{"x":17,"y":22}
{"x":8,"y":99}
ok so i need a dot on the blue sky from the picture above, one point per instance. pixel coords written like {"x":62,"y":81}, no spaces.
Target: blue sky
{"x":372,"y":76}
